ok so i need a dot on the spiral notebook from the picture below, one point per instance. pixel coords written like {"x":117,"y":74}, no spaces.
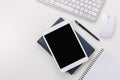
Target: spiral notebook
{"x":104,"y":66}
{"x":88,"y":48}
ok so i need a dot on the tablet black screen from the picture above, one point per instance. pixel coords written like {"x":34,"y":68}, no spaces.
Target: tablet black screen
{"x":64,"y":46}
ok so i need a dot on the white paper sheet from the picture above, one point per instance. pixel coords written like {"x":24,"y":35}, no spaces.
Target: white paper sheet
{"x":106,"y":67}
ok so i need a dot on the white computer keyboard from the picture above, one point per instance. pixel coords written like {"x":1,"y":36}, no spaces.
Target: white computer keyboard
{"x":88,"y":9}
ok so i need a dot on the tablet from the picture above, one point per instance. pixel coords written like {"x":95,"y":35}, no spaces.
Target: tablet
{"x":65,"y":46}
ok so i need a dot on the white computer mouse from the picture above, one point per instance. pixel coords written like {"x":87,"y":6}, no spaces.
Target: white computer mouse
{"x":107,"y":26}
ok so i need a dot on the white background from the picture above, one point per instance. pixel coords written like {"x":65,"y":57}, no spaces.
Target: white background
{"x":21,"y":25}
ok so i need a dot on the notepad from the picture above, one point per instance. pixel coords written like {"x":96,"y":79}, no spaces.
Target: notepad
{"x":88,"y":48}
{"x":104,"y":66}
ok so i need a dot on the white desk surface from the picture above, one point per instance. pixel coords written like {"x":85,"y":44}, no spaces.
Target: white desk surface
{"x":21,"y":25}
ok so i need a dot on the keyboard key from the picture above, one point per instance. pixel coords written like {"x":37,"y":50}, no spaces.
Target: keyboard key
{"x":86,"y":5}
{"x":95,"y":9}
{"x":94,"y":4}
{"x":89,"y":7}
{"x":86,"y":10}
{"x":52,"y":1}
{"x":98,"y":6}
{"x":74,"y":5}
{"x":62,"y":1}
{"x":76,"y":11}
{"x":99,"y":1}
{"x":92,"y":13}
{"x":82,"y":8}
{"x":84,"y":14}
{"x":66,"y":2}
{"x":90,"y":2}
{"x":81,"y":4}
{"x":78,"y":7}
{"x":45,"y":1}
{"x":81,"y":0}
{"x":86,"y":1}
{"x":93,"y":0}
{"x":77,"y":2}
{"x":73,"y":1}
{"x":80,"y":13}
{"x":89,"y":16}
{"x":70,"y":4}
{"x":64,"y":6}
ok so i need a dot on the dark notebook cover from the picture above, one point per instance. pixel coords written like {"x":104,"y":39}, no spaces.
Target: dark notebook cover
{"x":88,"y":48}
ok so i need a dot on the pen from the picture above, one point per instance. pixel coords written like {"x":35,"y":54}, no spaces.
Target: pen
{"x":87,"y":30}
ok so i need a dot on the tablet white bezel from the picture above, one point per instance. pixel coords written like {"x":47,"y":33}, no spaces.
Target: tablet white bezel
{"x":72,"y":65}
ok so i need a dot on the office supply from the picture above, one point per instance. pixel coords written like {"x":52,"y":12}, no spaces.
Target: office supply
{"x":87,"y":30}
{"x":88,"y":48}
{"x":107,"y":26}
{"x":67,"y":52}
{"x":104,"y":66}
{"x":87,"y":9}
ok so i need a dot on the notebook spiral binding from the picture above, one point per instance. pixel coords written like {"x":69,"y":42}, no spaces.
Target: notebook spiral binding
{"x":91,"y":64}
